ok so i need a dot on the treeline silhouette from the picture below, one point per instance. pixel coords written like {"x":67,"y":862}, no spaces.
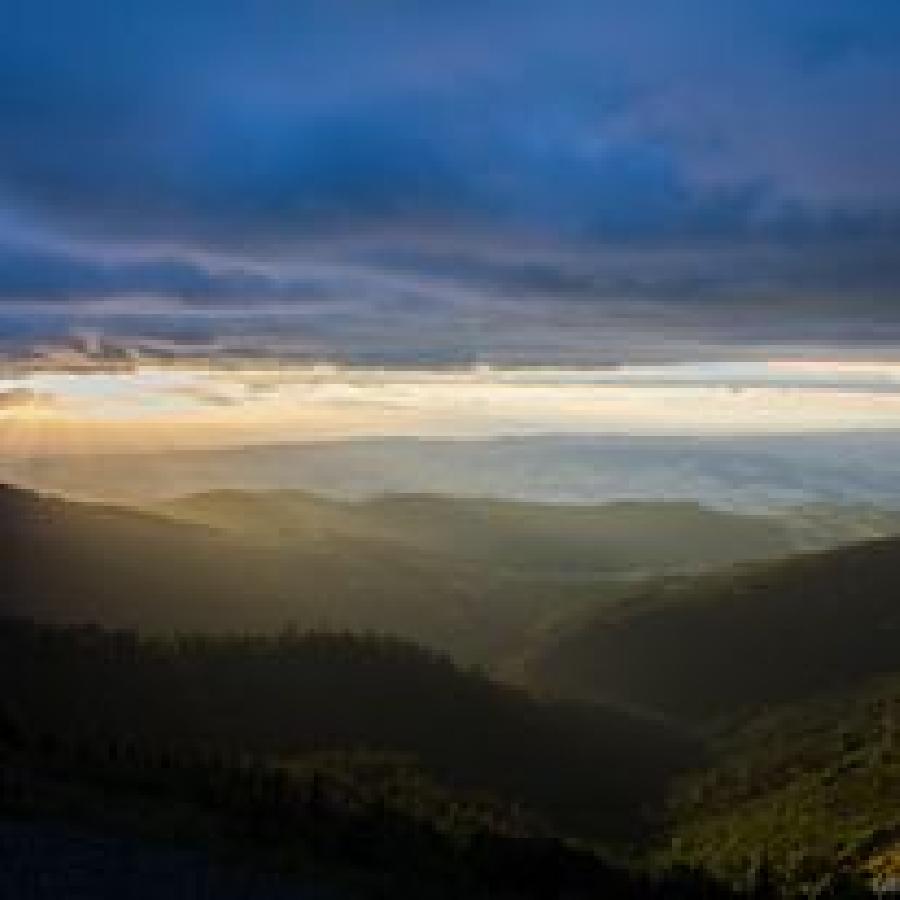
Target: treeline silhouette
{"x":221,"y":741}
{"x":330,"y":821}
{"x":583,"y":767}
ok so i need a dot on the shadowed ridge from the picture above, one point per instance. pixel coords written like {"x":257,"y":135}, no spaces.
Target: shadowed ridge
{"x":756,"y":634}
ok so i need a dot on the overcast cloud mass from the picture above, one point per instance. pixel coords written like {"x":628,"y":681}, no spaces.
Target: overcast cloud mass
{"x":418,"y":182}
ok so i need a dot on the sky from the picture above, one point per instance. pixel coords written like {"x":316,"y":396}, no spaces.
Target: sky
{"x":399,"y":183}
{"x":139,"y":409}
{"x":741,"y":435}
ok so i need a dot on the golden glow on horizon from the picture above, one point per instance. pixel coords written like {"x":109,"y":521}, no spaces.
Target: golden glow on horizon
{"x":147,"y":407}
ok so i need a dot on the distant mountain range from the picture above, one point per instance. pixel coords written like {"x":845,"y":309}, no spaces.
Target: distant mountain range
{"x":620,"y":538}
{"x":742,"y":472}
{"x":466,"y":576}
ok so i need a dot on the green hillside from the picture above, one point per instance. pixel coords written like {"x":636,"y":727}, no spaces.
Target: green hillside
{"x":116,"y":818}
{"x":760,"y":742}
{"x":811,"y":789}
{"x":77,"y":562}
{"x":707,"y":646}
{"x":555,"y":539}
{"x":478,"y":579}
{"x":791,"y":671}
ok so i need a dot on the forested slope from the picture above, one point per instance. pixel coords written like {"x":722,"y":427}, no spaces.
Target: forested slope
{"x":706,"y":646}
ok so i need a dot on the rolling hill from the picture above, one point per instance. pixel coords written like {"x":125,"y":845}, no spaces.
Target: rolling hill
{"x":614,"y":538}
{"x":476,"y":578}
{"x":580,"y":766}
{"x":810,"y":786}
{"x":791,"y":671}
{"x":784,"y":666}
{"x":472,"y":577}
{"x":76,"y":562}
{"x":712,"y":645}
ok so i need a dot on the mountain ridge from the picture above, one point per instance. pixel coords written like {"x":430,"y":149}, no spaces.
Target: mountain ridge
{"x":705,"y":646}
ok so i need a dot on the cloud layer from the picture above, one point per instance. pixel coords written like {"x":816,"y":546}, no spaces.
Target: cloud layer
{"x":437,"y":182}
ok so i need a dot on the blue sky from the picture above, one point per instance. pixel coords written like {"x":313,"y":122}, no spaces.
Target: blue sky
{"x":431,"y":182}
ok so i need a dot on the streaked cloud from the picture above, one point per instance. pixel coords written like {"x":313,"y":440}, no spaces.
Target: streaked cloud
{"x":405,"y":182}
{"x":26,"y":399}
{"x":152,"y":408}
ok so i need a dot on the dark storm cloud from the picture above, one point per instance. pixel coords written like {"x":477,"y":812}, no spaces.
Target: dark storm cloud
{"x":363,"y":173}
{"x":42,"y":276}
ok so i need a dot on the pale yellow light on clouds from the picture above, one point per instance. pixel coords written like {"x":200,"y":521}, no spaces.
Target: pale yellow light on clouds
{"x":153,"y":408}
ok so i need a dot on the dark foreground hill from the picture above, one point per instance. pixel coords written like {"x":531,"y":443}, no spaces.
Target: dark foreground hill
{"x":581,"y":766}
{"x":792,"y":669}
{"x":120,"y":821}
{"x":370,"y":756}
{"x":813,"y":787}
{"x":708,"y":646}
{"x":361,"y":763}
{"x":47,"y":861}
{"x":126,"y":764}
